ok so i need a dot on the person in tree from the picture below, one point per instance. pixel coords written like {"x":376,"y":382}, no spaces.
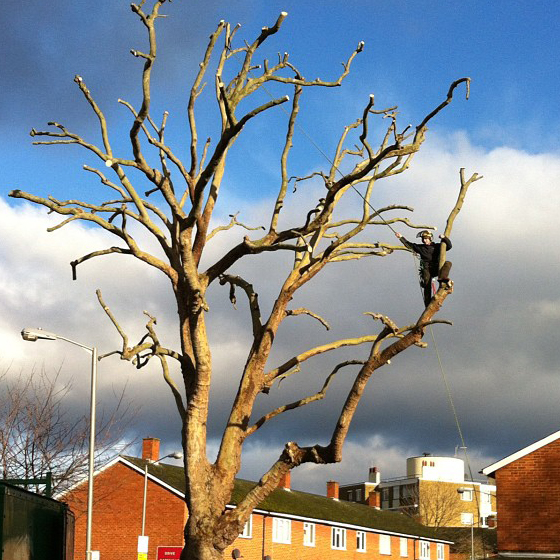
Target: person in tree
{"x":429,"y":253}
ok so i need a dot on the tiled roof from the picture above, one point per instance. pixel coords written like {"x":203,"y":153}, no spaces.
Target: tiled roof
{"x":302,"y":504}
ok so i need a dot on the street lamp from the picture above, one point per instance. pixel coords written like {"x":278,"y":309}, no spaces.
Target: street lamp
{"x":174,"y":455}
{"x":32,"y":335}
{"x":463,"y":491}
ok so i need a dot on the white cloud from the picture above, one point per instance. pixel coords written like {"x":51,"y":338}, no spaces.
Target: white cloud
{"x":505,"y":301}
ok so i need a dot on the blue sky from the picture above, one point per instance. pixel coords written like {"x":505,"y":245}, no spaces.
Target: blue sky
{"x":501,"y":355}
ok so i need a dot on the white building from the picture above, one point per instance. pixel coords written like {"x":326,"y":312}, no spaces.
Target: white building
{"x":435,"y":489}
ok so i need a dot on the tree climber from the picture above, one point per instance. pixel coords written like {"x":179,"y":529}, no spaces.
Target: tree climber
{"x":429,"y":253}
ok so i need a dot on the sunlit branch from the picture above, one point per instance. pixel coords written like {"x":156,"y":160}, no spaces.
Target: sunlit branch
{"x":196,"y":90}
{"x":112,"y":250}
{"x":457,"y":208}
{"x":98,"y":112}
{"x":304,"y":401}
{"x":284,"y":160}
{"x":233,"y":222}
{"x":105,"y":181}
{"x":303,"y":311}
{"x":273,"y":374}
{"x":252,"y":296}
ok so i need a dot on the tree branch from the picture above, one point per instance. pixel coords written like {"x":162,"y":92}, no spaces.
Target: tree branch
{"x":304,"y":401}
{"x":457,"y":208}
{"x":303,"y":311}
{"x":252,"y":296}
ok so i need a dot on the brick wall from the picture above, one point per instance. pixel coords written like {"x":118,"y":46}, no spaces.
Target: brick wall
{"x":529,"y":502}
{"x":117,"y":522}
{"x":253,"y":549}
{"x":117,"y":514}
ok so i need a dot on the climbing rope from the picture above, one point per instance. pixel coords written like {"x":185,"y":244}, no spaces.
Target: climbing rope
{"x":440,"y":363}
{"x":444,"y":377}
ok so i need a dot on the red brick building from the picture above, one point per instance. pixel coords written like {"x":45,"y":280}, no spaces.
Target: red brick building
{"x":286,"y":526}
{"x":528,"y":492}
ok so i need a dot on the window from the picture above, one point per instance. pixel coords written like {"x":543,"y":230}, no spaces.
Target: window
{"x":385,"y":544}
{"x":358,"y":495}
{"x":248,"y":529}
{"x":404,"y":546}
{"x":467,"y":518}
{"x":424,"y":550}
{"x":466,"y":495}
{"x":361,"y":541}
{"x":485,"y":497}
{"x":281,"y":530}
{"x":396,"y":492}
{"x":440,"y":551}
{"x":309,"y":534}
{"x":338,"y":538}
{"x":349,"y":495}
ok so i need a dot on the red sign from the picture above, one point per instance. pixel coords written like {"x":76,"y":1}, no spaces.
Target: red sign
{"x":169,"y":552}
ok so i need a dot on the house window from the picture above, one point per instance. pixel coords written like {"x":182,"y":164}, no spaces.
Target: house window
{"x":338,"y":538}
{"x":281,"y":530}
{"x":396,"y":492}
{"x":467,"y":518}
{"x":247,"y":532}
{"x":440,"y":551}
{"x":358,"y":495}
{"x":404,"y":546}
{"x":466,"y":495}
{"x":361,"y":541}
{"x":485,"y":497}
{"x":385,"y":544}
{"x":309,"y":534}
{"x":349,"y":495}
{"x":424,"y":550}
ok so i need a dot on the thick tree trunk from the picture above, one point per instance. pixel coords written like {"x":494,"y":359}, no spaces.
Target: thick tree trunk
{"x":200,"y":549}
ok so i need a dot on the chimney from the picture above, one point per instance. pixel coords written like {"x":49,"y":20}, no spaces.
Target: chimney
{"x":332,"y":489}
{"x":374,"y":499}
{"x":374,"y":475}
{"x":285,"y":481}
{"x":150,"y":449}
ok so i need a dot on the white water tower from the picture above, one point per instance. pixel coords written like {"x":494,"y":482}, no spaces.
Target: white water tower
{"x":429,"y":467}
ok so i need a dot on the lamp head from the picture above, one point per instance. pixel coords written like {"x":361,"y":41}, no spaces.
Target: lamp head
{"x":34,"y":334}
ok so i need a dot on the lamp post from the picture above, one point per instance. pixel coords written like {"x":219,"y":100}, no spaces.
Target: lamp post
{"x":462,"y":491}
{"x":175,"y":455}
{"x":473,"y":490}
{"x":34,"y":334}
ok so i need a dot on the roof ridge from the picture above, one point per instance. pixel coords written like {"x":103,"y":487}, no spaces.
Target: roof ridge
{"x":490,"y":469}
{"x":299,"y":504}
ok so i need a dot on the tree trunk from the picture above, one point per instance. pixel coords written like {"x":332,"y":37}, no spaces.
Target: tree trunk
{"x":200,"y":548}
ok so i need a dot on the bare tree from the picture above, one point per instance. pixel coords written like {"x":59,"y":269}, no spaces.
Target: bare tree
{"x":439,"y":505}
{"x":180,"y":223}
{"x":39,"y":434}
